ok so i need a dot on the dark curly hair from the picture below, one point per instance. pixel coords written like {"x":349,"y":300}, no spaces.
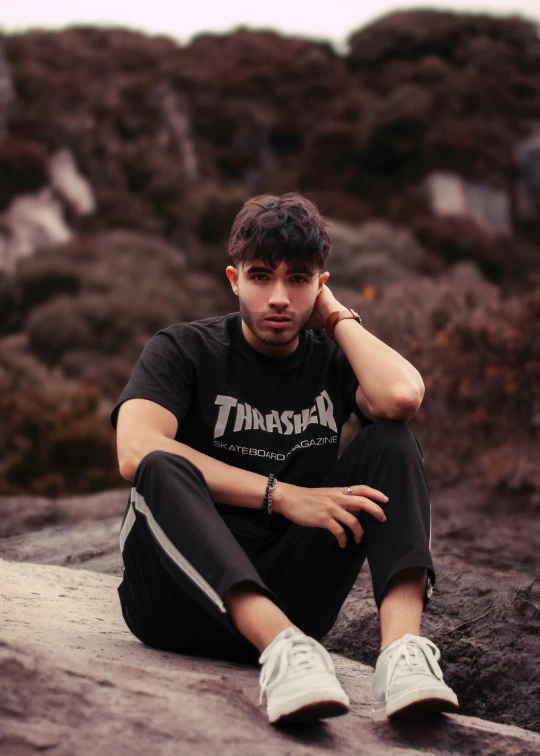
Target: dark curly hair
{"x":286,"y":228}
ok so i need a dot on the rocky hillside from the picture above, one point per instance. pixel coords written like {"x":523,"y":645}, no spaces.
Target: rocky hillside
{"x":429,"y":114}
{"x":124,"y":158}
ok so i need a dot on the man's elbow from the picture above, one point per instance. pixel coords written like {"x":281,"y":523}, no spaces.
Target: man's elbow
{"x":127,"y":468}
{"x":406,"y":405}
{"x":130,"y":459}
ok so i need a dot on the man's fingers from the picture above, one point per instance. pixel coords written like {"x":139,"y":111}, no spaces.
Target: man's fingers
{"x":352,"y":522}
{"x":334,"y":527}
{"x":373,"y":493}
{"x":358,"y":503}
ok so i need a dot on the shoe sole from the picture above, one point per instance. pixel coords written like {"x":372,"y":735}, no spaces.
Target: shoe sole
{"x":309,"y":707}
{"x":416,"y":703}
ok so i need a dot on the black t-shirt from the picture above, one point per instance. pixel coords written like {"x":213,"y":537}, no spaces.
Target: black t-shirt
{"x":247,"y":409}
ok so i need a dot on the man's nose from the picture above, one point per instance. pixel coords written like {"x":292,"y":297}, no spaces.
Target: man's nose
{"x":279,"y":295}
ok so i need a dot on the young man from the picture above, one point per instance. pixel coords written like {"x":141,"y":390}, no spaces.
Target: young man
{"x":244,"y":533}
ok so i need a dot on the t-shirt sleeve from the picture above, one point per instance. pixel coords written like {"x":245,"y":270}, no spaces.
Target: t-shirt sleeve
{"x":162,"y":375}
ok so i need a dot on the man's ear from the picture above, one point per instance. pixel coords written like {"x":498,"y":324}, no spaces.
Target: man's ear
{"x":232,"y":275}
{"x":323,"y":278}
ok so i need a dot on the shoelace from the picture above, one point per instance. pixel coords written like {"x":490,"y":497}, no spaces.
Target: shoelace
{"x":415,"y":651}
{"x":296,"y":650}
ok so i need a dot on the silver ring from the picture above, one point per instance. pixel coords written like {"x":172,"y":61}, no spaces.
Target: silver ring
{"x":349,"y":490}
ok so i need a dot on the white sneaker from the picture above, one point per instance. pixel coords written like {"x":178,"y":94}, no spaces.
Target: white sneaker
{"x":408,"y":680}
{"x":299,"y":678}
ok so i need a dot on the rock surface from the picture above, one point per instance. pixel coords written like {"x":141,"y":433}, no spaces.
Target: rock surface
{"x":451,"y":196}
{"x":70,"y":184}
{"x":74,"y":680}
{"x":483,"y":615}
{"x":36,"y":220}
{"x":32,"y":221}
{"x":374,"y":253}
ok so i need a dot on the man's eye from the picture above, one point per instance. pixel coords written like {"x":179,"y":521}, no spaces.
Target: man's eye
{"x":299,"y":279}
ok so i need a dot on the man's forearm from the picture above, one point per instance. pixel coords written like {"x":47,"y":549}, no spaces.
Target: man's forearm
{"x":228,"y":484}
{"x":388,"y":380}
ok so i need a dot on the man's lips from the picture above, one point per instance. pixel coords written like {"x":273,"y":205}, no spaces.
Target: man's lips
{"x":278,"y":323}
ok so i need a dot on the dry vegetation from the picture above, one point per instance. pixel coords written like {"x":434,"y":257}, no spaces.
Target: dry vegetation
{"x":174,"y":139}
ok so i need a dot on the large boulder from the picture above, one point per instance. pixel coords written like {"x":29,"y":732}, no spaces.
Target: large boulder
{"x":483,"y":614}
{"x":74,"y":680}
{"x":450,"y":195}
{"x":32,"y":221}
{"x":70,"y":184}
{"x":373,"y":253}
{"x":35,"y":191}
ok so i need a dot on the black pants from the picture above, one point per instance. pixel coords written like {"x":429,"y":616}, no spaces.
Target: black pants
{"x":181,"y":555}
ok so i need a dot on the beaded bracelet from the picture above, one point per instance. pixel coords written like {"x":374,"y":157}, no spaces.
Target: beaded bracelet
{"x":267,"y":501}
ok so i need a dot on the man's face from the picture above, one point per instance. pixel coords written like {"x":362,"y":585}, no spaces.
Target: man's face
{"x":275,"y":304}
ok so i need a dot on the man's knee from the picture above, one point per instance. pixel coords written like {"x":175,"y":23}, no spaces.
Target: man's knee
{"x":164,"y":461}
{"x":159,"y":458}
{"x":392,"y":435}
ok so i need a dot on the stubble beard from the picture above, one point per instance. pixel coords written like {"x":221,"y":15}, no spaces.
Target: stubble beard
{"x":273,"y":338}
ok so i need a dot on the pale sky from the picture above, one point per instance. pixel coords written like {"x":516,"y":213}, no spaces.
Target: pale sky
{"x":332,"y":21}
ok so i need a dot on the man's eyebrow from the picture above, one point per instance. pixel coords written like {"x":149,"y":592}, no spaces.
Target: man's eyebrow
{"x":304,"y":270}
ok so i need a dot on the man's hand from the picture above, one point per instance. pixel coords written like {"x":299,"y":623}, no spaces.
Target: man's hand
{"x":329,"y":508}
{"x":324,"y":305}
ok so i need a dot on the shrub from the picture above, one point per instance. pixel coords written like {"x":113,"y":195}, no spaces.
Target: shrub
{"x":479,"y":357}
{"x":23,"y":169}
{"x":55,"y":443}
